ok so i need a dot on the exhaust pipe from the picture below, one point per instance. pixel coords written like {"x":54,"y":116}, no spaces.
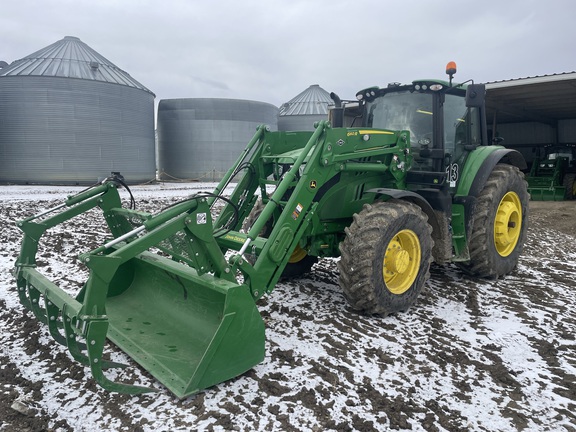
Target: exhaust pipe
{"x":337,"y":115}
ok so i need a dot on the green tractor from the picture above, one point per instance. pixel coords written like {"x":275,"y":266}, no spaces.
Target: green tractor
{"x":409,"y":179}
{"x":552,"y":178}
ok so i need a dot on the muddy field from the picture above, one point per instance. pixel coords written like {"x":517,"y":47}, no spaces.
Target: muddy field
{"x":470,"y":355}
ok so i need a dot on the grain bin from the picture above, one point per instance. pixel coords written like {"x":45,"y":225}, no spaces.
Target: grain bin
{"x":200,"y":138}
{"x":302,"y":111}
{"x":70,"y":116}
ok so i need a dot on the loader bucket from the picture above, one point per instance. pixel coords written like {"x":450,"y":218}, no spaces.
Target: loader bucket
{"x":545,"y":189}
{"x":188,"y":331}
{"x":161,"y":290}
{"x":555,"y":193}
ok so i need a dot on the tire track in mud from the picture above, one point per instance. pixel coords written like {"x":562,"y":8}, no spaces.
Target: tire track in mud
{"x":488,"y":362}
{"x":399,"y":354}
{"x":519,"y":317}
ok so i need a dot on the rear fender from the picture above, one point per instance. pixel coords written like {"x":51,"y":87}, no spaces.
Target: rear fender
{"x":480,"y":164}
{"x":477,"y":169}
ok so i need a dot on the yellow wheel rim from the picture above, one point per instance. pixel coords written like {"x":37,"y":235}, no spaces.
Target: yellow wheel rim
{"x":507,"y":224}
{"x":298,"y":255}
{"x":401,"y":262}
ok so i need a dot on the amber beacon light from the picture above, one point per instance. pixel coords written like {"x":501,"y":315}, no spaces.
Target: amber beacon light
{"x":451,"y":70}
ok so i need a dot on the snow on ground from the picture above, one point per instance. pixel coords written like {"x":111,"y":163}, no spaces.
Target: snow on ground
{"x":470,"y":355}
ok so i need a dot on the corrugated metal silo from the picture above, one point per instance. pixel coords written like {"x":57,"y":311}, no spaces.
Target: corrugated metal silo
{"x":70,"y":116}
{"x":302,"y":111}
{"x":201,"y":138}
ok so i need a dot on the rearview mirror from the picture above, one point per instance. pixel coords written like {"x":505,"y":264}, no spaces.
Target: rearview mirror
{"x":475,"y":94}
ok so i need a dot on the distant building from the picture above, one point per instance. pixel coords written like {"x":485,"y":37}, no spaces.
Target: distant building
{"x":70,"y":116}
{"x":302,"y":111}
{"x":533,"y":114}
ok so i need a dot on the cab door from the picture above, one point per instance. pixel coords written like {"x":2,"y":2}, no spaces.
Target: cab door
{"x":462,"y":133}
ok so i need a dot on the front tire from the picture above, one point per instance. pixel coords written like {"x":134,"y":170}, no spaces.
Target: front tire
{"x":499,"y":224}
{"x":385,"y":257}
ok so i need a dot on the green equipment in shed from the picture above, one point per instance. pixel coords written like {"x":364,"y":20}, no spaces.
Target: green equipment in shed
{"x":552,"y":178}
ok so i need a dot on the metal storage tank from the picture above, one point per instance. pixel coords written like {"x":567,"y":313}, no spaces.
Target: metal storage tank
{"x":302,"y":111}
{"x":70,"y":116}
{"x":200,"y":138}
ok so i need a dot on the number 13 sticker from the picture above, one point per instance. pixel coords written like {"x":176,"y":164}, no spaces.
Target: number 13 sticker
{"x":452,"y":174}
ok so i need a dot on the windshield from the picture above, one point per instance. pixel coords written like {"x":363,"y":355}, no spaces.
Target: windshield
{"x":403,"y":111}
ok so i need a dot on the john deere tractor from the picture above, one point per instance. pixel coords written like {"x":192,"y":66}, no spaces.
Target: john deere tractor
{"x":401,"y":177}
{"x":553,"y":177}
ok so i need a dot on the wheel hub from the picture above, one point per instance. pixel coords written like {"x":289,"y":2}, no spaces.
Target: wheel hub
{"x":507,"y":224}
{"x":401,"y":261}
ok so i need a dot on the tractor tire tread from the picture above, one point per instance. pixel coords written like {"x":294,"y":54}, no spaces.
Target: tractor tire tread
{"x":484,"y":260}
{"x":568,"y":183}
{"x":357,"y":257}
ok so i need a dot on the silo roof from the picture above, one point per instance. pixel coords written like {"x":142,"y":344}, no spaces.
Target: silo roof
{"x":312,"y":101}
{"x":70,"y":58}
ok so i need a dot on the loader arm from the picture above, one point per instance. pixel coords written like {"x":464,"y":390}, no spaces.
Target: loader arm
{"x":310,"y":186}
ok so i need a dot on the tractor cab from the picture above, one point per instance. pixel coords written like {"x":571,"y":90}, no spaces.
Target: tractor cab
{"x":553,"y":154}
{"x":445,"y":123}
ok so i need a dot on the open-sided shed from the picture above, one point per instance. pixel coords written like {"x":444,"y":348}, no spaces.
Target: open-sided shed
{"x":533,"y":113}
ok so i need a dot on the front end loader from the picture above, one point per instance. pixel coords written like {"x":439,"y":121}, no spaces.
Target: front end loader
{"x":552,"y":178}
{"x":414,"y":181}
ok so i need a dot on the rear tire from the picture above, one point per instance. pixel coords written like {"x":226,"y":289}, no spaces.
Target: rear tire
{"x":385,"y":257}
{"x":570,"y":185}
{"x":499,"y":224}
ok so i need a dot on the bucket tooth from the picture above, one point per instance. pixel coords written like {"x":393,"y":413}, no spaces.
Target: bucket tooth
{"x":95,"y":339}
{"x":23,"y":295}
{"x":54,"y":324}
{"x":34,"y":302}
{"x":72,"y":344}
{"x":75,"y":348}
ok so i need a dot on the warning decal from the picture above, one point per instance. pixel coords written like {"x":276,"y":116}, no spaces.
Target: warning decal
{"x":297,"y":211}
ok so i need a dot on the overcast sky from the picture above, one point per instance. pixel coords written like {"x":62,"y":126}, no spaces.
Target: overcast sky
{"x":271,"y":50}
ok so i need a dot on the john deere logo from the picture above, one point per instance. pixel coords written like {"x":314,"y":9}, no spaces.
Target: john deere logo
{"x":313,"y":184}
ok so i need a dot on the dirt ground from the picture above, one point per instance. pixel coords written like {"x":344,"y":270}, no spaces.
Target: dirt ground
{"x":558,"y":215}
{"x":496,"y":355}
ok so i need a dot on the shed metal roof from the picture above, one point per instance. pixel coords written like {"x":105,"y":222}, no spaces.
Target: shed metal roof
{"x":312,"y":101}
{"x":544,"y":99}
{"x":70,"y":58}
